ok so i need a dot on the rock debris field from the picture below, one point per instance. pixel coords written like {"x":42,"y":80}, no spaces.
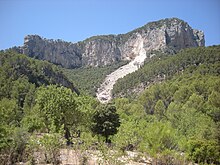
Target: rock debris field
{"x":104,"y":92}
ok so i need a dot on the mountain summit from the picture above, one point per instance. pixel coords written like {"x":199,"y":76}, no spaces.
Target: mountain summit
{"x":166,"y":35}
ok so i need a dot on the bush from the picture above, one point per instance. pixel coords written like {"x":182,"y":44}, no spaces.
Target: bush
{"x":203,"y":151}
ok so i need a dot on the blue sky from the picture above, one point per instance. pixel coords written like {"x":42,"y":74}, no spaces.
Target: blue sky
{"x":76,"y":20}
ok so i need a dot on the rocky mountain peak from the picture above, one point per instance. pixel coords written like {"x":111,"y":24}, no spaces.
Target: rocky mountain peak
{"x":166,"y":35}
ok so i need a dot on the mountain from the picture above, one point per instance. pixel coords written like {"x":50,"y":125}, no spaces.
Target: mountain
{"x":175,"y":119}
{"x":166,"y":35}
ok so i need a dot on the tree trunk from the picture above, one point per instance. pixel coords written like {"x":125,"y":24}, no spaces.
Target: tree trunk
{"x":67,"y":135}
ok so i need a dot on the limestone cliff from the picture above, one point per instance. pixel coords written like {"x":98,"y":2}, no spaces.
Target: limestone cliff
{"x":167,"y":35}
{"x":57,"y":52}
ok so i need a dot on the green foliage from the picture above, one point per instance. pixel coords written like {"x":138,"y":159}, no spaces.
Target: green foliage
{"x":101,"y":37}
{"x":161,"y":68}
{"x":133,"y":123}
{"x":47,"y":146}
{"x":169,"y":121}
{"x":87,"y":105}
{"x":214,"y":98}
{"x":9,"y":113}
{"x":130,"y":133}
{"x":159,"y":137}
{"x":19,"y":141}
{"x":176,"y":111}
{"x":51,"y":145}
{"x":13,"y":145}
{"x":203,"y":151}
{"x":89,"y":79}
{"x":191,"y":123}
{"x":105,"y":121}
{"x":19,"y":74}
{"x":160,"y":108}
{"x":33,"y":120}
{"x":59,"y":109}
{"x":28,"y":108}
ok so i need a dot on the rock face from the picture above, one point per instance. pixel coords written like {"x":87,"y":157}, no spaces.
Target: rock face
{"x":57,"y":52}
{"x":167,"y":35}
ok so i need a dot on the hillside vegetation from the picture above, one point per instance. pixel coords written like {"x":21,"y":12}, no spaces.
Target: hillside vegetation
{"x":164,"y":67}
{"x":176,"y":121}
{"x":182,"y":114}
{"x":19,"y":74}
{"x":88,"y":79}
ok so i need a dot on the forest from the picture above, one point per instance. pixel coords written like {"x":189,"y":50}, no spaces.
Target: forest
{"x":88,"y":79}
{"x":174,"y":120}
{"x":165,"y":67}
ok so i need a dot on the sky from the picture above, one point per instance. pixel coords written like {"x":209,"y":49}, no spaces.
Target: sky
{"x":76,"y":20}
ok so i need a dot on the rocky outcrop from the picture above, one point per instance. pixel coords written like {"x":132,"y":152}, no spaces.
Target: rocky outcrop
{"x":167,"y":35}
{"x":57,"y":52}
{"x":100,"y":50}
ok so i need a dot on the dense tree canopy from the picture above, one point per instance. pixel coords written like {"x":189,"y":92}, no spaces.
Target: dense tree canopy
{"x":105,"y":121}
{"x":58,"y":107}
{"x":164,"y":67}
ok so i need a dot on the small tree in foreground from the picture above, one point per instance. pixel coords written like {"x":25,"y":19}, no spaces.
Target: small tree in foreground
{"x":105,"y":121}
{"x":59,"y":108}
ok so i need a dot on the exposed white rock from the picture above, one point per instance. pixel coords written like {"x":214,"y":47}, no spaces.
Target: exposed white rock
{"x":168,"y":35}
{"x":104,"y":92}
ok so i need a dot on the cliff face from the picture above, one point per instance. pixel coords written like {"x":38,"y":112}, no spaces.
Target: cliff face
{"x":168,"y":35}
{"x":100,"y":51}
{"x":165,"y":35}
{"x":57,"y":52}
